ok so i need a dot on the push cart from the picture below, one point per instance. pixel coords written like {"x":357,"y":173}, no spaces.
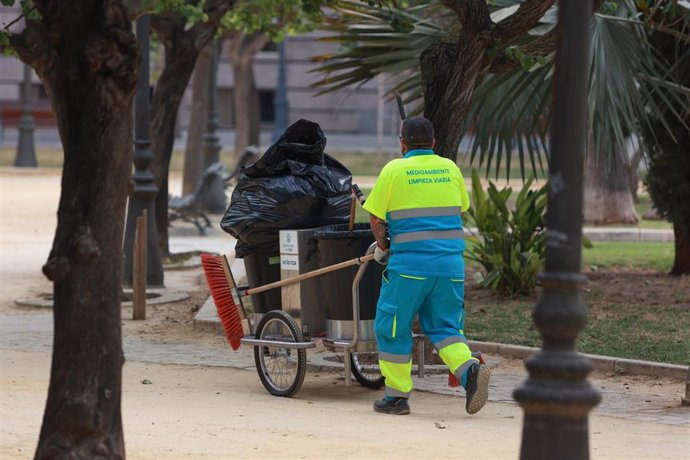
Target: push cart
{"x":279,"y":344}
{"x":280,"y":348}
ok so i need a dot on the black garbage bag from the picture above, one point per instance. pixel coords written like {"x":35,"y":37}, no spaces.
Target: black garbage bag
{"x":293,"y":185}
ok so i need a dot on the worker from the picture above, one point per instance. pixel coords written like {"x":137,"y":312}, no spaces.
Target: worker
{"x":421,"y":196}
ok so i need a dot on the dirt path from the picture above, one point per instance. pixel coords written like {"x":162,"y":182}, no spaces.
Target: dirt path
{"x":203,"y":412}
{"x":193,"y":411}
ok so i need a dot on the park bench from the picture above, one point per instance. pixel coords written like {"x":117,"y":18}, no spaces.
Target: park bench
{"x":190,"y":207}
{"x":249,"y":157}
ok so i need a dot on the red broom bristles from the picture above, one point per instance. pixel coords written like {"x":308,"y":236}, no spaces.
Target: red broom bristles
{"x":221,"y":291}
{"x":453,"y":380}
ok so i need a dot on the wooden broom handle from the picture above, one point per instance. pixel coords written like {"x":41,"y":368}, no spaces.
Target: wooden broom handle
{"x":353,"y":207}
{"x":312,"y":274}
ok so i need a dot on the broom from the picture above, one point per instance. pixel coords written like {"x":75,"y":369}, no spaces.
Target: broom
{"x":229,"y":303}
{"x":224,"y":292}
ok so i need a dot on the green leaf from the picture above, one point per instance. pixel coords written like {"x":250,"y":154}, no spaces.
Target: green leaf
{"x":586,"y":242}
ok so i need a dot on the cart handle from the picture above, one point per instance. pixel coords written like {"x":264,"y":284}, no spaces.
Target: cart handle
{"x":312,"y":274}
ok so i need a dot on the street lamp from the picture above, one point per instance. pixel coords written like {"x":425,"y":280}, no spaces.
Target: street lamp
{"x":215,"y":201}
{"x":144,"y":189}
{"x":26,"y":152}
{"x":280,"y":102}
{"x":557,"y":397}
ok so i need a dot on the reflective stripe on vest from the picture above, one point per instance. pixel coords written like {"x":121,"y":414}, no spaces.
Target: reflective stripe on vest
{"x":444,"y":211}
{"x":429,"y":235}
{"x":425,"y":212}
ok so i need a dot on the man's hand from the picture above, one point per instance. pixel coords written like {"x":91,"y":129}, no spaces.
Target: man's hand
{"x":381,"y":255}
{"x":378,"y":228}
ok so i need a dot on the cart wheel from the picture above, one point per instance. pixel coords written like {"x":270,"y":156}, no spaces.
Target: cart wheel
{"x":365,"y":368}
{"x":280,"y":369}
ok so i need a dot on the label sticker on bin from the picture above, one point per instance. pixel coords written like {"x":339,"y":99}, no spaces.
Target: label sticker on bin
{"x":288,"y":242}
{"x":289,"y":262}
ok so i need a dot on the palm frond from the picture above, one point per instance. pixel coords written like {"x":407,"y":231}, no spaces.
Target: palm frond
{"x":509,"y":113}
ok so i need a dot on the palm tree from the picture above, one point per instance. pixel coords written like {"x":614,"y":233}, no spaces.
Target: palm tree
{"x":499,"y":97}
{"x":668,"y":177}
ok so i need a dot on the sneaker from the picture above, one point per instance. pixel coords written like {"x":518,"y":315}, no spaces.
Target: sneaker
{"x":397,"y":406}
{"x":477,"y":387}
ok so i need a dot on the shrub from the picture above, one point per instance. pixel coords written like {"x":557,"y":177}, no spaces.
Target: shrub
{"x":512,"y":244}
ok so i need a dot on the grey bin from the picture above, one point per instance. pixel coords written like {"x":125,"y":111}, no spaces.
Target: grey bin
{"x":337,"y":244}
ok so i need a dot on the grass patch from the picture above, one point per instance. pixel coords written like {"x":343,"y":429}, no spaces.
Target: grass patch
{"x":625,"y":331}
{"x":655,"y":256}
{"x":180,"y":257}
{"x":636,"y":311}
{"x":53,"y":158}
{"x":644,"y":205}
{"x":359,"y":163}
{"x":362,"y":164}
{"x":503,"y":321}
{"x":636,"y":332}
{"x":46,"y":157}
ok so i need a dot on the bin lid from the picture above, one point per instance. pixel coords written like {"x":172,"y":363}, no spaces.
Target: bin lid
{"x":341,"y":231}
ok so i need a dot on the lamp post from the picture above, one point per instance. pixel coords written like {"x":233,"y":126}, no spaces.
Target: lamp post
{"x":557,"y":397}
{"x":215,"y":202}
{"x":143,"y":190}
{"x":280,"y":102}
{"x":26,"y":152}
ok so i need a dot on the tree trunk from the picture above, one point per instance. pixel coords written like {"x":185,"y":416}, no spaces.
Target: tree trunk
{"x":86,"y":56}
{"x":607,"y":197}
{"x":450,"y":74}
{"x":681,"y":260}
{"x":245,"y":104}
{"x":182,"y":46}
{"x":193,"y":156}
{"x":254,"y":113}
{"x":633,"y":167}
{"x":180,"y":57}
{"x":241,"y":103}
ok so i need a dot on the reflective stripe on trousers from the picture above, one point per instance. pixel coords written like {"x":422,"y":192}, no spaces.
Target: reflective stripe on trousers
{"x":397,"y":369}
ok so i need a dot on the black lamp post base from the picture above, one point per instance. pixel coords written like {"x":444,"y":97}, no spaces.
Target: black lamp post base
{"x":550,"y":437}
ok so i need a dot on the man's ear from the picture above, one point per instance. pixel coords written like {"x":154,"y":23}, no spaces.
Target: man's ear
{"x":433,"y":143}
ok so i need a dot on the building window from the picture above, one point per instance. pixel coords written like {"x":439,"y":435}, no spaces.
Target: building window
{"x":266,"y":108}
{"x":270,"y":47}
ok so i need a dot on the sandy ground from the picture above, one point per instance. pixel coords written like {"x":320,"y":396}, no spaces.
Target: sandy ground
{"x":204,"y":412}
{"x":197,"y":411}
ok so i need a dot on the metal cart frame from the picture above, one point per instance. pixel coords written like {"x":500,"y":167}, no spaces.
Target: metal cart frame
{"x":277,"y":337}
